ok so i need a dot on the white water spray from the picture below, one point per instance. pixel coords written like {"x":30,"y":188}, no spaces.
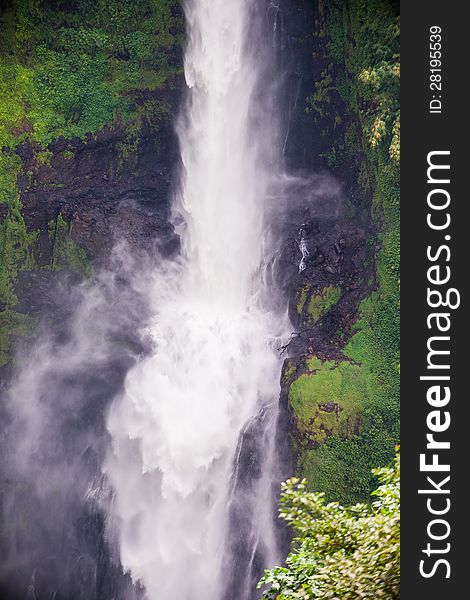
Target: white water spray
{"x":214,"y":365}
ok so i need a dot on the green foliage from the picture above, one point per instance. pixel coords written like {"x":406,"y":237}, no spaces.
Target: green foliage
{"x":70,"y":95}
{"x":365,"y":47}
{"x":15,"y":252}
{"x":14,"y":82}
{"x":70,"y":70}
{"x":16,"y":245}
{"x":67,"y":154}
{"x":350,"y":553}
{"x":322,"y":97}
{"x":340,"y":467}
{"x":10,"y":166}
{"x":14,"y":86}
{"x":44,"y":158}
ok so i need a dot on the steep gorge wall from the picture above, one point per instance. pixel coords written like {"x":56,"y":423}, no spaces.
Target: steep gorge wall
{"x":88,"y":155}
{"x":340,"y":385}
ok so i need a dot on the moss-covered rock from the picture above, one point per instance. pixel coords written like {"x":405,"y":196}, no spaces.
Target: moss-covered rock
{"x":328,"y":400}
{"x":320,"y":303}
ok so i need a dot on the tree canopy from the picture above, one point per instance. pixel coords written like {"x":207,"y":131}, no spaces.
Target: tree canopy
{"x":344,"y":553}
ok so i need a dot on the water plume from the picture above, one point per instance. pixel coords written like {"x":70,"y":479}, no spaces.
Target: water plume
{"x":214,"y":367}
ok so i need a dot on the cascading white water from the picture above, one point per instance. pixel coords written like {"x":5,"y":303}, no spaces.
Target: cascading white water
{"x":176,"y":429}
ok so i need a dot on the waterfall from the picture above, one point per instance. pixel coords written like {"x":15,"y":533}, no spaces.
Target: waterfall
{"x":192,"y":435}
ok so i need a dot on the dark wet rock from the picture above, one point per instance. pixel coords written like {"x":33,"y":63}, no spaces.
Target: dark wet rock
{"x":109,"y":190}
{"x":35,"y":291}
{"x":99,"y":226}
{"x":76,"y":143}
{"x":25,"y":151}
{"x":247,"y":556}
{"x":329,"y":407}
{"x":58,"y":145}
{"x":338,"y":256}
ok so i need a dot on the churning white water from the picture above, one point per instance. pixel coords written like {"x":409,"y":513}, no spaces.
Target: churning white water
{"x":176,"y":429}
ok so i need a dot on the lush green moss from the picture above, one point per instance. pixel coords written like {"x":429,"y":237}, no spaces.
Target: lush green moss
{"x":329,"y":401}
{"x":288,"y":372}
{"x":335,"y":446}
{"x":10,"y":166}
{"x":313,"y":306}
{"x":321,"y":303}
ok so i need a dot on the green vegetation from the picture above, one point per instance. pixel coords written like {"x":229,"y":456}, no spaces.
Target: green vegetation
{"x":362,"y":39}
{"x":69,"y":71}
{"x":340,"y":467}
{"x":340,"y":421}
{"x":321,"y":303}
{"x":15,"y":253}
{"x":16,"y":245}
{"x":321,"y":98}
{"x":65,"y":251}
{"x":12,"y":324}
{"x":317,"y":304}
{"x":10,"y":166}
{"x":350,"y":553}
{"x":364,"y":71}
{"x":329,"y":401}
{"x":370,"y":78}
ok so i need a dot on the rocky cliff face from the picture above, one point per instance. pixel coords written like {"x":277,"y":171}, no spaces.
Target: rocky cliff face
{"x":340,"y":384}
{"x":104,"y":191}
{"x":93,"y":162}
{"x":89,"y":194}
